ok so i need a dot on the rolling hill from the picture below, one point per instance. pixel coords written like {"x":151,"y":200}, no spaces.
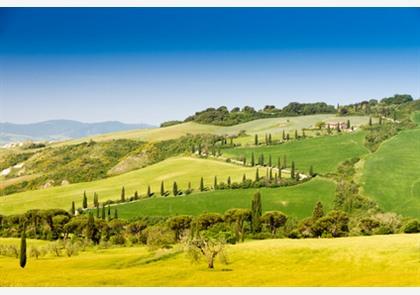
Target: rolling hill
{"x":261,"y":126}
{"x":391,"y":175}
{"x":180,"y":169}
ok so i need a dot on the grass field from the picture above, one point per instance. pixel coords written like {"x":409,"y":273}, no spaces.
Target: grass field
{"x":324,"y":153}
{"x":391,"y":260}
{"x":297,"y":201}
{"x":180,"y":169}
{"x":262,"y":126}
{"x":391,"y":175}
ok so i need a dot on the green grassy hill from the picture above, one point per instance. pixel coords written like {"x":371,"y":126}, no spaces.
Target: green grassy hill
{"x":180,"y":169}
{"x":262,"y":126}
{"x":391,"y":176}
{"x":324,"y":153}
{"x":297,"y":201}
{"x":390,"y":260}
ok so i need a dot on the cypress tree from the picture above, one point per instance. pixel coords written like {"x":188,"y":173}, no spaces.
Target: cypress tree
{"x":270,"y":164}
{"x":162,"y":189}
{"x":85,"y":202}
{"x":271,"y":173}
{"x":22,"y":256}
{"x":318,"y":211}
{"x":256,"y":212}
{"x":244,"y":178}
{"x":338,"y":127}
{"x":215,"y":182}
{"x":328,"y":129}
{"x":201,"y":184}
{"x":278,"y":163}
{"x":189,"y":185}
{"x":256,"y":139}
{"x":280,"y":173}
{"x":95,"y":200}
{"x":199,"y":149}
{"x":296,"y":134}
{"x":149,"y":191}
{"x":257,"y":175}
{"x":244,"y":160}
{"x":175,"y":189}
{"x":284,"y":161}
{"x":252,"y":159}
{"x":269,"y":138}
{"x":109,"y":212}
{"x":370,"y":121}
{"x":73,"y":208}
{"x":115,"y":213}
{"x":276,"y":178}
{"x":284,"y":135}
{"x":97,"y":212}
{"x":90,"y":227}
{"x":292,"y":170}
{"x":136,"y":195}
{"x":123,"y":194}
{"x":311,"y":171}
{"x":348,"y":124}
{"x":266,"y":139}
{"x":103,"y":212}
{"x":287,"y":137}
{"x":228,"y":181}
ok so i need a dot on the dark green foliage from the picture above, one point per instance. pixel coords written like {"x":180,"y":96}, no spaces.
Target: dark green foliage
{"x":85,"y":202}
{"x":318,"y":211}
{"x":123,"y":194}
{"x":296,"y":134}
{"x":149,"y":191}
{"x":97,"y":212}
{"x":237,"y":219}
{"x":256,"y":212}
{"x":95,"y":200}
{"x":256,"y":139}
{"x":170,"y":123}
{"x":411,"y":226}
{"x":397,"y":99}
{"x":311,"y":171}
{"x":252,"y":159}
{"x":115,"y":213}
{"x":162,"y":189}
{"x":229,"y":181}
{"x":270,"y":164}
{"x":274,"y":220}
{"x":292,"y":170}
{"x":202,"y":184}
{"x":175,"y":189}
{"x":109,"y":212}
{"x":22,"y":256}
{"x":206,"y":220}
{"x":334,"y":224}
{"x":103,"y":212}
{"x":73,"y":208}
{"x":179,"y":224}
{"x":215,"y":183}
{"x":257,"y":175}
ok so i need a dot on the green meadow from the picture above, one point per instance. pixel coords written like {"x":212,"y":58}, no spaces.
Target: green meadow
{"x":390,"y":260}
{"x":297,"y":201}
{"x":391,"y":175}
{"x":179,"y":169}
{"x":324,"y":153}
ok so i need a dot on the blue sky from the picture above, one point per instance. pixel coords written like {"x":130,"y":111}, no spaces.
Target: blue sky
{"x":151,"y":65}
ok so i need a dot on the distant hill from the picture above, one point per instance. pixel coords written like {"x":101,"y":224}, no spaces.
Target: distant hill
{"x":60,"y":129}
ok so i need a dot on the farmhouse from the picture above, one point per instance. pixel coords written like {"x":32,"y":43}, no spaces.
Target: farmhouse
{"x":333,"y":125}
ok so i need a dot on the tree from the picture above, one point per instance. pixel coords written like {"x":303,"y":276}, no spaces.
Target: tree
{"x":292,"y":170}
{"x":311,"y":171}
{"x":334,"y":224}
{"x":162,"y":189}
{"x":201,"y":184}
{"x":303,"y":133}
{"x":256,"y":139}
{"x":22,"y":256}
{"x":274,"y":220}
{"x":206,"y":244}
{"x":97,"y":212}
{"x":271,"y":173}
{"x":296,"y":134}
{"x":149,"y":191}
{"x":175,"y":189}
{"x":115,"y":213}
{"x":257,"y":175}
{"x":237,"y":218}
{"x":243,"y":178}
{"x":370,"y":121}
{"x":284,"y":135}
{"x":228,"y":181}
{"x":91,"y":230}
{"x":348,"y":124}
{"x":318,"y":211}
{"x":266,"y":139}
{"x":73,"y":208}
{"x":215,"y":182}
{"x":85,"y":202}
{"x":103,"y":212}
{"x":179,"y":224}
{"x":256,"y":212}
{"x":270,"y":164}
{"x":269,"y":139}
{"x":278,"y":163}
{"x":109,"y":212}
{"x":244,"y":160}
{"x":252,"y":159}
{"x":123,"y":194}
{"x":136,"y":195}
{"x":95,"y":200}
{"x":287,"y":137}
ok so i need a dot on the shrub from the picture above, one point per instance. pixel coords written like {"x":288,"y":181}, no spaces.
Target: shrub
{"x":55,"y":248}
{"x":71,"y":248}
{"x":35,"y":252}
{"x":412,"y":226}
{"x":117,"y":240}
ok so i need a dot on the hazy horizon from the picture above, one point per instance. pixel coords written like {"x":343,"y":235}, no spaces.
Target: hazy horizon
{"x":150,"y":65}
